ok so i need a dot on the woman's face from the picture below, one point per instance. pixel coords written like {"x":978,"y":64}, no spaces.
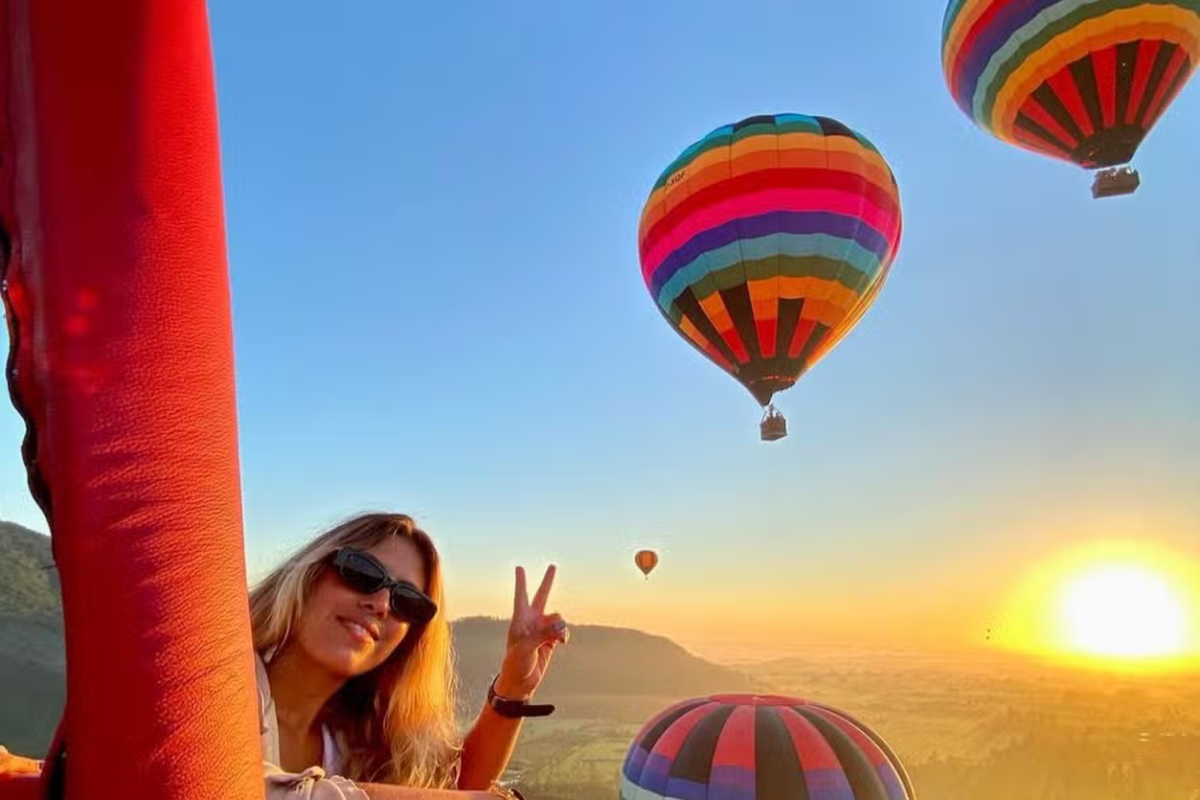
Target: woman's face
{"x":349,"y":633}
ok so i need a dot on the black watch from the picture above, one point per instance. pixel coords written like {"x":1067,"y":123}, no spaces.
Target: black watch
{"x":515,"y":709}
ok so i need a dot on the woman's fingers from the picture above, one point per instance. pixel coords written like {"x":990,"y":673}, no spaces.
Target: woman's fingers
{"x":520,"y":594}
{"x":554,"y":628}
{"x":543,"y":592}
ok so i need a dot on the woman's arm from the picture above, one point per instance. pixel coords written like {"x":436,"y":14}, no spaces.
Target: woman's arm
{"x":532,"y":637}
{"x":383,"y":791}
{"x":487,"y":749}
{"x":11,"y":764}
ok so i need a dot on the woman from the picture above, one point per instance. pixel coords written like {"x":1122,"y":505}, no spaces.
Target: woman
{"x":356,"y":678}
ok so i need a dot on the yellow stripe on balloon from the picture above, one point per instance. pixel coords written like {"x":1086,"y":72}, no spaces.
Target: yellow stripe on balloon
{"x":848,"y":324}
{"x":823,"y":311}
{"x":1170,"y":24}
{"x":715,"y":310}
{"x":693,"y":333}
{"x":792,"y":288}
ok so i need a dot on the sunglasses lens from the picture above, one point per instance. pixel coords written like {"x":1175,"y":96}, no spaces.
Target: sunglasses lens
{"x":361,"y":574}
{"x":412,"y":607}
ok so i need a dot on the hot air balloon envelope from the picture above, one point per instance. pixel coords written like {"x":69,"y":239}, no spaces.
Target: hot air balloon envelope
{"x":646,"y":561}
{"x":1079,"y":80}
{"x":763,"y":244}
{"x":752,"y":746}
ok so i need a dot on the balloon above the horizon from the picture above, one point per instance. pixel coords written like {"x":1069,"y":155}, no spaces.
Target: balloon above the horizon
{"x":646,"y":561}
{"x":752,"y":746}
{"x":1082,"y":81}
{"x":764,"y":243}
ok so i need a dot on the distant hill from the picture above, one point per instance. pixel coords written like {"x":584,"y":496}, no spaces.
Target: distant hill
{"x":604,"y":673}
{"x":28,"y":582}
{"x":32,"y":684}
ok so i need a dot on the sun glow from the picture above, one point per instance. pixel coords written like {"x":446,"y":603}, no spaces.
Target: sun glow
{"x":1122,"y":610}
{"x":1112,"y":605}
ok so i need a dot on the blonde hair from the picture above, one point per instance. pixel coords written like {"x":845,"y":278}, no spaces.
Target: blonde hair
{"x":396,"y":723}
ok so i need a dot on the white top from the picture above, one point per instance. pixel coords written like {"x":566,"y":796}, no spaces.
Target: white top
{"x":315,"y":783}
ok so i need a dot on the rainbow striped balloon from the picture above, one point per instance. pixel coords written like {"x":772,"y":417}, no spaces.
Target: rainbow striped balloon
{"x":752,"y":747}
{"x":1079,"y":80}
{"x":765,"y":242}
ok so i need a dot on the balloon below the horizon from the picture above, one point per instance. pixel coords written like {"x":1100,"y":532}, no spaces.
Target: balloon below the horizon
{"x":764,"y":242}
{"x":750,"y":746}
{"x":646,"y":561}
{"x":1079,"y":80}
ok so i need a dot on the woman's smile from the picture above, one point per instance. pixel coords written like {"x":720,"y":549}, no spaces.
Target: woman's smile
{"x":366,"y":632}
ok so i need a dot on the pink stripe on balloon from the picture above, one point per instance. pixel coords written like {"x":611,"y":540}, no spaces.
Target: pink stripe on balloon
{"x":765,"y":202}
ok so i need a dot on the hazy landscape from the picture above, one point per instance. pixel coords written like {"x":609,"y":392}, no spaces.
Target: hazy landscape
{"x":977,"y":726}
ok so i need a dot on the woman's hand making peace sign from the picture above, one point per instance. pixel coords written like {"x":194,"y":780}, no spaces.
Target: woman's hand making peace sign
{"x":532,"y":636}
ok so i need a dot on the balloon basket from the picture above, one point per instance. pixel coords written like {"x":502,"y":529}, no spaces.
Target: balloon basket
{"x":1115,"y":182}
{"x":773,"y":426}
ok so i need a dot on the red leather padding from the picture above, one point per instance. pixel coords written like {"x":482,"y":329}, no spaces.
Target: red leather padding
{"x":21,"y":787}
{"x":119,"y":312}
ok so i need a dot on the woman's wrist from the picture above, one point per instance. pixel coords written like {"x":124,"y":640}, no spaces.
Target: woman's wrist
{"x":507,"y":689}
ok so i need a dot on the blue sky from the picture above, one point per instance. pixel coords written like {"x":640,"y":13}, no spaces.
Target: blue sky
{"x":432,"y":221}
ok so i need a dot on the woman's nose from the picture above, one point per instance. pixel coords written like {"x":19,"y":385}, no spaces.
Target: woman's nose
{"x":378,"y":601}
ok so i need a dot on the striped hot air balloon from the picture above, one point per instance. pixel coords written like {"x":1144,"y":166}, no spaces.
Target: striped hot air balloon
{"x":1079,"y":80}
{"x":764,"y":243}
{"x":753,"y":747}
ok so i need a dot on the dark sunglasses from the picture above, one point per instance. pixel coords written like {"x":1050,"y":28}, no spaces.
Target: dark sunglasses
{"x":362,"y":572}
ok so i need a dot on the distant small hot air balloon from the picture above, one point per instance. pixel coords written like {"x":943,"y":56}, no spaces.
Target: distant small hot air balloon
{"x":1079,"y":80}
{"x":751,"y":746}
{"x":765,"y":242}
{"x":646,"y":561}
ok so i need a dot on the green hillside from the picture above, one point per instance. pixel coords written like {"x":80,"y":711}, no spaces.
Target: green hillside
{"x":31,"y":641}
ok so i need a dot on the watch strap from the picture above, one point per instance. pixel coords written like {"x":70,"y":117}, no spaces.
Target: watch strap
{"x":515,"y":709}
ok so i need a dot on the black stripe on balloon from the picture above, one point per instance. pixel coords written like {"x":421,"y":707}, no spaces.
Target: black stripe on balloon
{"x":760,"y":119}
{"x":1083,"y":72}
{"x":741,"y":311}
{"x":777,"y":771}
{"x":656,"y":731}
{"x":892,"y":758}
{"x":694,"y":760}
{"x":1023,"y":121}
{"x":814,"y":338}
{"x":1127,"y":56}
{"x":789,"y":316}
{"x":1165,"y":53}
{"x":831,"y":127}
{"x":689,"y":306}
{"x":865,"y":783}
{"x":1053,"y":104}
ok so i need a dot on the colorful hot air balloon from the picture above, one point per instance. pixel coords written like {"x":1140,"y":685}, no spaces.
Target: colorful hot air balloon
{"x":750,"y":747}
{"x":646,"y":561}
{"x":765,"y":242}
{"x":1079,"y":80}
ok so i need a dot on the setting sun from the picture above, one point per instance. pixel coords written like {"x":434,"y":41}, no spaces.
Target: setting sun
{"x":1119,"y":604}
{"x":1122,"y":610}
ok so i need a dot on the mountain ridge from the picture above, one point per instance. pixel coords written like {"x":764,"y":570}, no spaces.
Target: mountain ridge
{"x":605,"y":672}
